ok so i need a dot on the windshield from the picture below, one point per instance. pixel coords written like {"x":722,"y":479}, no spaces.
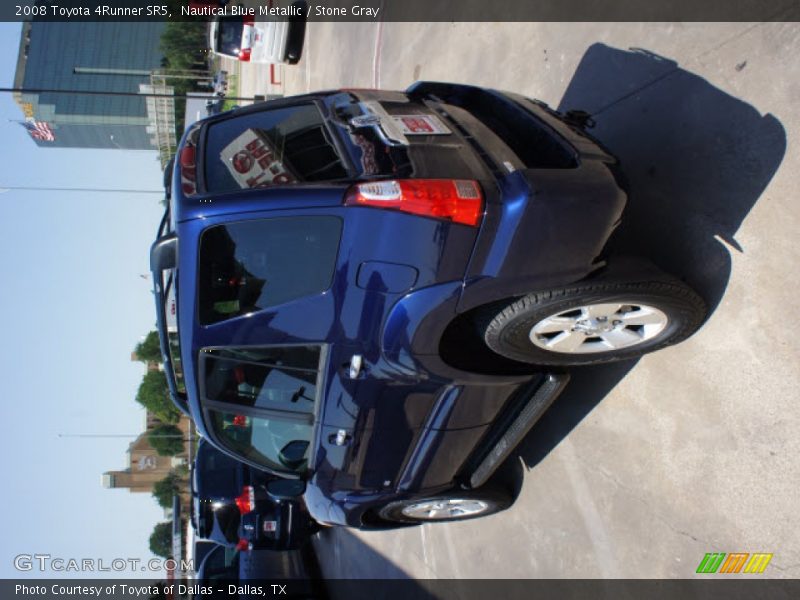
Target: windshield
{"x":229,"y":35}
{"x":251,"y":265}
{"x":262,"y":402}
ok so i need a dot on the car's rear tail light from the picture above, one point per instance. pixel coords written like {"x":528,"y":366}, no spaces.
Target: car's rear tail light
{"x":244,"y":54}
{"x":458,"y":200}
{"x":247,"y":501}
{"x":243,"y":544}
{"x":186,"y":160}
{"x":239,"y":421}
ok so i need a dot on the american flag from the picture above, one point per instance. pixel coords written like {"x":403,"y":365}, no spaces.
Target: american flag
{"x":39,"y":130}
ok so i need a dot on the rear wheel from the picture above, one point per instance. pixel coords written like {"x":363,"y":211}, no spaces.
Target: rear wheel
{"x":595,"y":322}
{"x":451,"y":506}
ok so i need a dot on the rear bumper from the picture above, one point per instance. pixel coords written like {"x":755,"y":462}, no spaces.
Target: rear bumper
{"x":559,"y":199}
{"x":291,"y":525}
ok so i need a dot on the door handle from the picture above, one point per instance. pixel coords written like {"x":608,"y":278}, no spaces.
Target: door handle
{"x":356,"y":363}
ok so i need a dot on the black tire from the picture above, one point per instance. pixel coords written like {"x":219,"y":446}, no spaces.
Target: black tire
{"x":508,"y":331}
{"x":494,"y":499}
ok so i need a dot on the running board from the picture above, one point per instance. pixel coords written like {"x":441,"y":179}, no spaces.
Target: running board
{"x":539,"y":402}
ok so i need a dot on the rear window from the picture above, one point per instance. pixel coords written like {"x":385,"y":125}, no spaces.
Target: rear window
{"x":271,"y":147}
{"x":252,"y":265}
{"x":229,"y":35}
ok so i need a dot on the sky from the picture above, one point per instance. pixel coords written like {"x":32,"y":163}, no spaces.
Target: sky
{"x":73,"y":306}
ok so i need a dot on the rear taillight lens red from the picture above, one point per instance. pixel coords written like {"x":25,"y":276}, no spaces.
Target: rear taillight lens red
{"x":244,"y":54}
{"x":247,"y":501}
{"x":186,"y":160}
{"x":243,"y":545}
{"x":457,"y":200}
{"x":240,"y":421}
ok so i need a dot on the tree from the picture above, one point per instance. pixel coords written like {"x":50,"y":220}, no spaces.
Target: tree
{"x":149,"y":349}
{"x":166,"y":440}
{"x":164,"y":490}
{"x":184,"y":44}
{"x":161,"y":539}
{"x":153,"y":394}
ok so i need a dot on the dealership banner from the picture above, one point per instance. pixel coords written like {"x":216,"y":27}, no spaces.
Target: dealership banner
{"x":404,"y":589}
{"x":405,"y":10}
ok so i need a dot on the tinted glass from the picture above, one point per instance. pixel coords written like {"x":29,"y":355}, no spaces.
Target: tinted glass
{"x":229,"y":35}
{"x":261,"y":440}
{"x":251,"y":265}
{"x":282,"y":378}
{"x":222,"y":563}
{"x":271,"y":147}
{"x":217,"y":475}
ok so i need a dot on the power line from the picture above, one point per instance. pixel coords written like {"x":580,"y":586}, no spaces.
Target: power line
{"x":108,"y":93}
{"x":70,"y":189}
{"x":182,"y":436}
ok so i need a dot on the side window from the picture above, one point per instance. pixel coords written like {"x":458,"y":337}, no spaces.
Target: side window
{"x":251,"y":265}
{"x":280,"y":444}
{"x":282,"y":383}
{"x":271,"y":378}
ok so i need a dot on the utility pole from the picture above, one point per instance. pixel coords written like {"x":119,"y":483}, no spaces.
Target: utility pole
{"x":108,"y":93}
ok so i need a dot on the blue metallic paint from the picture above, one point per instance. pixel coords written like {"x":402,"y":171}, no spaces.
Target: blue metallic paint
{"x":412,"y":421}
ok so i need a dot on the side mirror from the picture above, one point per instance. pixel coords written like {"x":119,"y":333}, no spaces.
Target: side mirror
{"x":164,"y":253}
{"x":286,"y":489}
{"x":293,"y":454}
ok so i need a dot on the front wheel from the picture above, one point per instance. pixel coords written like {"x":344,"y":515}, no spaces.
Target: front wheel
{"x":596,"y":322}
{"x":451,"y":506}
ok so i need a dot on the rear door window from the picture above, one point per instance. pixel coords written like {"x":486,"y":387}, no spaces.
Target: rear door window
{"x":252,"y":265}
{"x":271,"y":147}
{"x":282,"y":378}
{"x":261,"y":402}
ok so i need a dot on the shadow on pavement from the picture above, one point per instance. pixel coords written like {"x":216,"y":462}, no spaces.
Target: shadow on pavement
{"x":353,"y":569}
{"x":695,"y":159}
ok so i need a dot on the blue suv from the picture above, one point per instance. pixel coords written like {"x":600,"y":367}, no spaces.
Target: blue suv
{"x":377,"y":293}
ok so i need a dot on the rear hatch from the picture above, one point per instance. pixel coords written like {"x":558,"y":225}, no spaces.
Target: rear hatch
{"x":387,"y":134}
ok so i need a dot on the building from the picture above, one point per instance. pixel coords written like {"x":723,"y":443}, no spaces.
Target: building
{"x":144,"y":466}
{"x":89,"y":56}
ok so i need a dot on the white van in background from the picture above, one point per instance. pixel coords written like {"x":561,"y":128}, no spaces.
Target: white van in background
{"x":272,"y":41}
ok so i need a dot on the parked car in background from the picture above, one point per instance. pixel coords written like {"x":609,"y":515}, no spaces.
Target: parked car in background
{"x":232,"y":505}
{"x":379,"y":292}
{"x":214,"y":105}
{"x":226,"y":563}
{"x":278,"y":40}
